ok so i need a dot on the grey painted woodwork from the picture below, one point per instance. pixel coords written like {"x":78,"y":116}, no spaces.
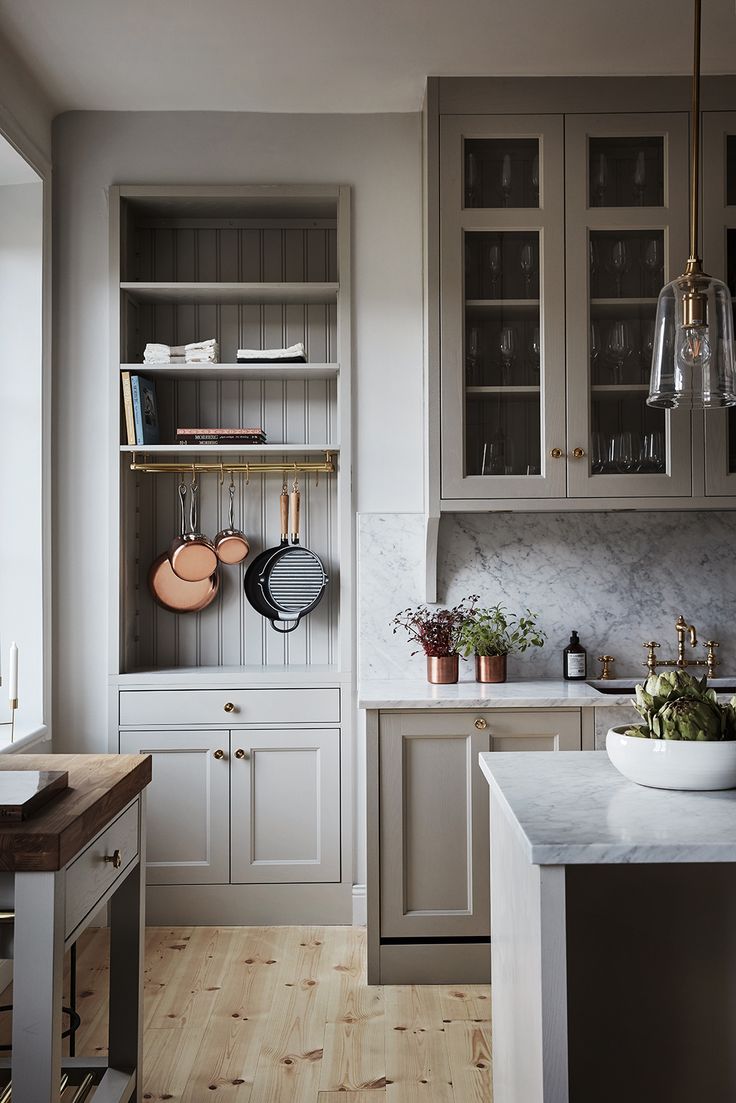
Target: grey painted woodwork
{"x":285,"y":818}
{"x":231,"y":705}
{"x":89,"y":877}
{"x":188,"y":806}
{"x":428,"y":853}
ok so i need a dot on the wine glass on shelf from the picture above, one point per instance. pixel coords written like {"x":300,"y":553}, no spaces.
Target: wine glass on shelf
{"x":528,"y":266}
{"x":535,"y":176}
{"x":600,"y":179}
{"x":651,"y":455}
{"x":594,"y":263}
{"x":472,"y":181}
{"x":647,"y":349}
{"x":506,"y":179}
{"x":619,"y":263}
{"x":598,"y":455}
{"x":619,"y":349}
{"x":595,"y":350}
{"x":653,"y":264}
{"x":508,"y":348}
{"x":494,"y":267}
{"x":534,"y":349}
{"x":640,"y":177}
{"x":473,"y":357}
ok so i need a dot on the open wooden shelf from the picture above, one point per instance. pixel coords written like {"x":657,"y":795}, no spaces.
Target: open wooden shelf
{"x":230,"y":449}
{"x":221,"y":292}
{"x":222,"y":372}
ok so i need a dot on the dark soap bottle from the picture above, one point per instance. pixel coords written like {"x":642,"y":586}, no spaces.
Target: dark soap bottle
{"x":574,"y":660}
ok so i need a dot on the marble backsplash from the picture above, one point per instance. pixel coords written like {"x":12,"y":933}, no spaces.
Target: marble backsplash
{"x":618,"y":578}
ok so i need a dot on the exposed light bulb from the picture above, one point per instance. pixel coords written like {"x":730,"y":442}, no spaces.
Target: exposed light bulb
{"x":692,"y":348}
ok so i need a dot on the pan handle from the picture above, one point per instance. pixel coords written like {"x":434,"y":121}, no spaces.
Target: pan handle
{"x":284,"y":510}
{"x":231,"y":507}
{"x":182,"y":504}
{"x":287,"y":626}
{"x":294,"y":509}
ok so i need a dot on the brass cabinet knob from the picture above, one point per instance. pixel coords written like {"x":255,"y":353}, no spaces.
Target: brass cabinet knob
{"x":218,"y":753}
{"x":578,"y":453}
{"x":481,"y":724}
{"x":556,"y":453}
{"x":240,"y":753}
{"x":229,"y":706}
{"x":116,"y":858}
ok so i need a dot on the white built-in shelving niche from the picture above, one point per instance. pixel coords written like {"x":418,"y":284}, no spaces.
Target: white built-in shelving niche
{"x":255,"y":267}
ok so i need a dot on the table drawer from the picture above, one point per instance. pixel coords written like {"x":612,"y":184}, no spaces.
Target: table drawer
{"x":229,"y":707}
{"x":89,"y":876}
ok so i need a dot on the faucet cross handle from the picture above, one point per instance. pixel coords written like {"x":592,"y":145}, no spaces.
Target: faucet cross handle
{"x":651,"y":663}
{"x":711,"y":661}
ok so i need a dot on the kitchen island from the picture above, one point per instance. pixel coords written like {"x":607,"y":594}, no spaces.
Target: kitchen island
{"x":613,"y":935}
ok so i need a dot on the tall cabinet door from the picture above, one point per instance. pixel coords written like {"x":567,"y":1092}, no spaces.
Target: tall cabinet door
{"x":627,"y":219}
{"x":434,"y":826}
{"x":719,"y":259}
{"x":187,"y":811}
{"x":502,"y":296}
{"x":285,"y":800}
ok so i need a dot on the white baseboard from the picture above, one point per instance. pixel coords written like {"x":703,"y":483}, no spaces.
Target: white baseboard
{"x":360,"y":906}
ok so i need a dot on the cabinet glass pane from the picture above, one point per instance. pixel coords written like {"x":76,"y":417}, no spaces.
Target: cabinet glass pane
{"x":503,"y":354}
{"x":731,"y":170}
{"x":626,"y":274}
{"x":501,"y":172}
{"x":731,"y":281}
{"x":626,"y":172}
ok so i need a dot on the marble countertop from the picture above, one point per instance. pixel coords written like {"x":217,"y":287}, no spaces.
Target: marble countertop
{"x":416,"y":693}
{"x":574,"y":808}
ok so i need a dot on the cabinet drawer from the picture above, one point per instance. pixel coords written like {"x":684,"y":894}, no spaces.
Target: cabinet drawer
{"x":89,"y":876}
{"x":211,"y":707}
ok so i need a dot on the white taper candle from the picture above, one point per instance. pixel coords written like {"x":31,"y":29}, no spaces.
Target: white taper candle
{"x":13,"y":672}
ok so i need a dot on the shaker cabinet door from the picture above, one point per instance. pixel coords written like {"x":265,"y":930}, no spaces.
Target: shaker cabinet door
{"x":433,"y":826}
{"x":285,"y":800}
{"x":534,"y":730}
{"x":187,"y":810}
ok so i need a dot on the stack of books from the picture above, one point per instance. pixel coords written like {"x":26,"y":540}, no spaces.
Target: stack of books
{"x":140,"y":409}
{"x":254,"y":435}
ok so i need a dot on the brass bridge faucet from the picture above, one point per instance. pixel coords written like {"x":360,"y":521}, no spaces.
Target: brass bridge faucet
{"x":683,"y":629}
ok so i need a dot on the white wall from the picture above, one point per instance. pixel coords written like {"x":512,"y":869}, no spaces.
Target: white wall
{"x":25,"y":109}
{"x":21,"y":559}
{"x":380,"y":156}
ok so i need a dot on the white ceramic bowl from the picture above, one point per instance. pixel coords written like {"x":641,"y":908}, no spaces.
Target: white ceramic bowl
{"x":673,"y":763}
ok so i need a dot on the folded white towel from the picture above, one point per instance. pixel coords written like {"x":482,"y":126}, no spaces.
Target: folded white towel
{"x":195,"y":346}
{"x":293,"y":352}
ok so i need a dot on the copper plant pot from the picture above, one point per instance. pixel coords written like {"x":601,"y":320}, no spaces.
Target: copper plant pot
{"x":442,"y":670}
{"x":490,"y":668}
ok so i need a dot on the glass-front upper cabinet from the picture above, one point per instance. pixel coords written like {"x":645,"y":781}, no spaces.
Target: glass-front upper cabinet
{"x":627,"y":218}
{"x":719,"y":259}
{"x":502,"y":313}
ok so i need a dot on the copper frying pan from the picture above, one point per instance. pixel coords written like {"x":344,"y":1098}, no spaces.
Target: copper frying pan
{"x":176,"y":594}
{"x":231,"y":544}
{"x":193,"y":556}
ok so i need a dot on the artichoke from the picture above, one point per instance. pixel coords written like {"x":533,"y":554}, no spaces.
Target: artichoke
{"x":689,"y":718}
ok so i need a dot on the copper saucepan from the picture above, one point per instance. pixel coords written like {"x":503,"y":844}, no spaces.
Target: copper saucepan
{"x":231,"y":544}
{"x":193,"y":557}
{"x":174,"y":593}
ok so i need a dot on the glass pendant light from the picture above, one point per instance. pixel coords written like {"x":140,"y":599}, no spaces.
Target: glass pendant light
{"x":693,"y":356}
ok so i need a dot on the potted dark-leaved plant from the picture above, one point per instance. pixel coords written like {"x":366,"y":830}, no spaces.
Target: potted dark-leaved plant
{"x":492,"y":635}
{"x":436,"y":633}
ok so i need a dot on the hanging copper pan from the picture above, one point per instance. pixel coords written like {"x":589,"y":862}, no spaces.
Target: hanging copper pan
{"x":193,"y":556}
{"x":231,"y":544}
{"x":177,"y":594}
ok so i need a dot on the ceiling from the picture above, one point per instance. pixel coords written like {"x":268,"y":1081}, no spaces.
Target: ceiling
{"x":340,"y":55}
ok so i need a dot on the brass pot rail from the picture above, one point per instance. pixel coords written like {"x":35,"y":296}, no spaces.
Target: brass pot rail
{"x":324,"y":467}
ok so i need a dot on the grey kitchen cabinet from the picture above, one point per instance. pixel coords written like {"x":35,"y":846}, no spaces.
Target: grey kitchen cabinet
{"x":256,"y":807}
{"x":188,"y":832}
{"x":285,"y":809}
{"x":556,"y":211}
{"x":428,"y":883}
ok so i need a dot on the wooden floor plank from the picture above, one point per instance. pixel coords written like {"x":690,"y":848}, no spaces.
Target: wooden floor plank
{"x":417,"y":1063}
{"x":469,"y":1051}
{"x":283,"y":1015}
{"x":467,"y":1001}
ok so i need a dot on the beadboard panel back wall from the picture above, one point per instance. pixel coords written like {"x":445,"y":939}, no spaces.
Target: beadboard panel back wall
{"x":619,"y":578}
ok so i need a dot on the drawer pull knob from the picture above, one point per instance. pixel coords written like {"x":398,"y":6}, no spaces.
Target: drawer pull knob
{"x":229,"y":706}
{"x":116,"y":858}
{"x":240,"y":753}
{"x":578,"y":453}
{"x":218,"y":754}
{"x":556,"y":453}
{"x":481,"y":724}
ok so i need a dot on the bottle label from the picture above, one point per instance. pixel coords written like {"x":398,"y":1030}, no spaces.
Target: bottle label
{"x":575,"y":665}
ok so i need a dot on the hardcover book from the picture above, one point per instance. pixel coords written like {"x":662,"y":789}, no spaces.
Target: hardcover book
{"x":128,"y":407}
{"x":145,"y":410}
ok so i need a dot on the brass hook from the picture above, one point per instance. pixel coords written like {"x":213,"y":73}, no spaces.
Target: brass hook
{"x":222,"y":475}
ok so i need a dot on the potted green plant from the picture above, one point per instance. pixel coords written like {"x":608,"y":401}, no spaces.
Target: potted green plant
{"x":492,"y":635}
{"x":436,"y":633}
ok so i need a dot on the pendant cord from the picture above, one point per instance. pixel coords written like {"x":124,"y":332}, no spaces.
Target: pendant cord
{"x":695,"y":139}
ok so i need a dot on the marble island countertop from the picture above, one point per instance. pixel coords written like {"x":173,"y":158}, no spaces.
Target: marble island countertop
{"x":416,"y":693}
{"x":573,"y":808}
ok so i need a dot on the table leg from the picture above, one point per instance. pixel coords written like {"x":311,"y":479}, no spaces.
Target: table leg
{"x":127,"y":930}
{"x":38,"y":973}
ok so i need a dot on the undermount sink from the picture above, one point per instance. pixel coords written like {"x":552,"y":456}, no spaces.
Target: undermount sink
{"x":619,"y":686}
